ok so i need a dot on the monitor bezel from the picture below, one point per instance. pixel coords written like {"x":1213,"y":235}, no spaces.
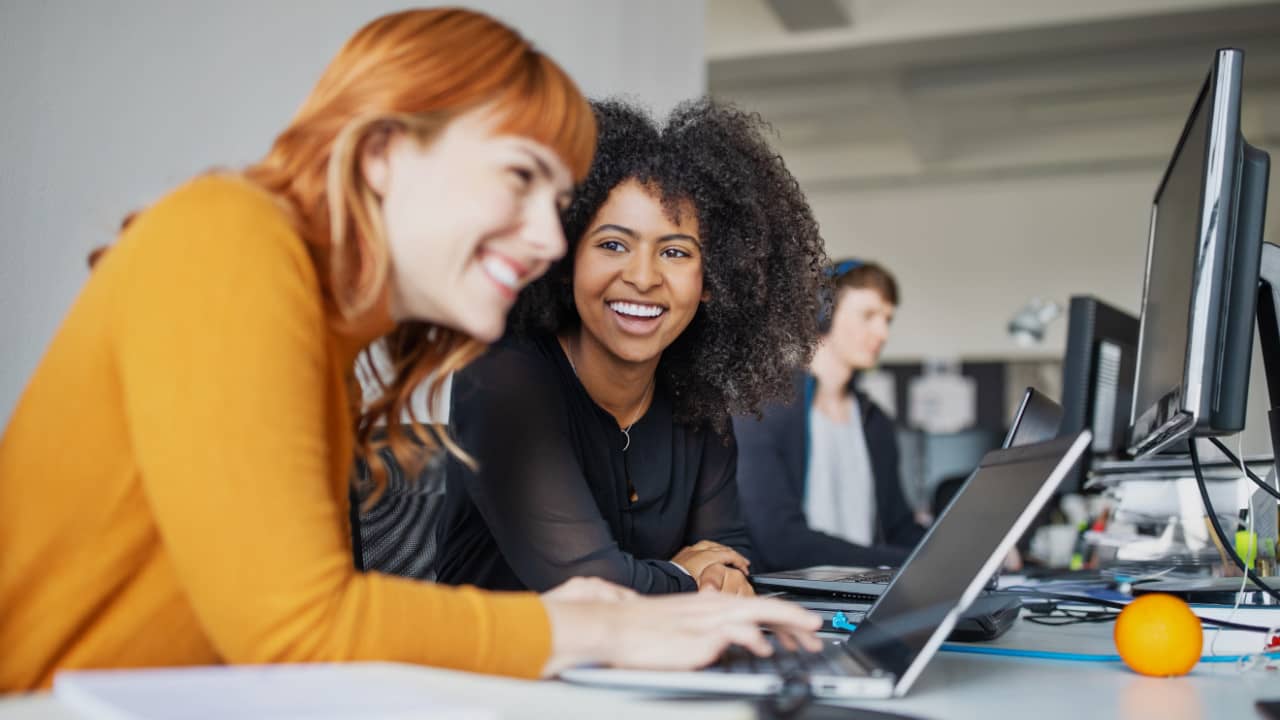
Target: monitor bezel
{"x":1179,"y":410}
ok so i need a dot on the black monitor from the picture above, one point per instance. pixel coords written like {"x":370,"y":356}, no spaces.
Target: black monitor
{"x":1196,"y":334}
{"x":1097,"y":379}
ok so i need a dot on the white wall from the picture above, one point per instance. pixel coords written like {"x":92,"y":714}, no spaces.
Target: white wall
{"x":106,"y":105}
{"x":968,"y":254}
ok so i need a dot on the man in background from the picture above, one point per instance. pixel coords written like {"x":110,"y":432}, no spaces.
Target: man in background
{"x":818,"y":476}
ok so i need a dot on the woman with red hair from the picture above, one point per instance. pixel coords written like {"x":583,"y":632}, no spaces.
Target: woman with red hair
{"x":208,"y":367}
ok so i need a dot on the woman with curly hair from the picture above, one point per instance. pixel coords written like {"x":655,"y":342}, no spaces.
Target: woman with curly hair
{"x":601,"y":424}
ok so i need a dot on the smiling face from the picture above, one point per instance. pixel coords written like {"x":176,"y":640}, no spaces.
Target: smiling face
{"x":860,"y":326}
{"x":637,"y":277}
{"x":470,"y":218}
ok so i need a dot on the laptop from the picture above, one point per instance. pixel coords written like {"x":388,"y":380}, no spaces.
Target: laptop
{"x":890,"y":647}
{"x":989,"y":617}
{"x":1036,"y":420}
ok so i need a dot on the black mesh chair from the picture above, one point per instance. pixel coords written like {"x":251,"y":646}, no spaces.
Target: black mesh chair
{"x":397,"y":535}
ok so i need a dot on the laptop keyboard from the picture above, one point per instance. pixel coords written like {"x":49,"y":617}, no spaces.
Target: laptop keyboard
{"x":832,"y":660}
{"x":876,"y":577}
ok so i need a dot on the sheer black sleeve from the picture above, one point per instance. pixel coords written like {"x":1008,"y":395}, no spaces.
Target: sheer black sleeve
{"x":717,"y":514}
{"x":508,"y":410}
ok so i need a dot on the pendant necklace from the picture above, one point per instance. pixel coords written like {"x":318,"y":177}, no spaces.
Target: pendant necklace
{"x":626,"y":431}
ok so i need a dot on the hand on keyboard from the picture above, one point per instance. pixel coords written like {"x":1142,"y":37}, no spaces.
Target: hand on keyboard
{"x":672,"y":632}
{"x":785,"y":662}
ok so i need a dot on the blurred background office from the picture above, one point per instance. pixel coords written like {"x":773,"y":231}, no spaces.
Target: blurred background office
{"x":991,"y":152}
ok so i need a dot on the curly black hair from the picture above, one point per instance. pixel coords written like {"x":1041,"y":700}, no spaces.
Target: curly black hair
{"x":763,"y":262}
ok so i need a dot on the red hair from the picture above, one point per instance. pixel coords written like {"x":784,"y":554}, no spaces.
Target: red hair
{"x":409,"y":71}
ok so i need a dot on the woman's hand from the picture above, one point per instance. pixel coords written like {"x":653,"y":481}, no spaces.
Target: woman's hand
{"x":672,"y":632}
{"x":695,"y":558}
{"x":725,"y":579}
{"x":588,"y":589}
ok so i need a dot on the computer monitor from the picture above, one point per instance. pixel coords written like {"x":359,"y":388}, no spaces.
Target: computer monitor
{"x":1196,"y":332}
{"x":1097,"y":379}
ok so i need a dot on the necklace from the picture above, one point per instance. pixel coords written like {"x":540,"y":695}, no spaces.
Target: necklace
{"x":626,"y":431}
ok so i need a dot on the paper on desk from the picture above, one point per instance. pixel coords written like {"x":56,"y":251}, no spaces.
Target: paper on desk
{"x":381,"y":691}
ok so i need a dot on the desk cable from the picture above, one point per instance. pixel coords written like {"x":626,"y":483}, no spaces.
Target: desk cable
{"x":841,"y":622}
{"x":1253,"y":541}
{"x":1249,"y":473}
{"x":1228,"y":545}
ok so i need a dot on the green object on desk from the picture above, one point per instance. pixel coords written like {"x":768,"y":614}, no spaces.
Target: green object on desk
{"x":1247,"y":547}
{"x":1077,"y":553}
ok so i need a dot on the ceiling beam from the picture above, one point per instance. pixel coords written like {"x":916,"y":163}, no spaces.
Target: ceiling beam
{"x":806,"y":15}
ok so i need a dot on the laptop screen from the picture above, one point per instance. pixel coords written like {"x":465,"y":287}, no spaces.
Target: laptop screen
{"x":1037,"y":420}
{"x":1007,"y":490}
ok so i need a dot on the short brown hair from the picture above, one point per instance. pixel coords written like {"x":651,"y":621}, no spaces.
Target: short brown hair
{"x":868,"y":275}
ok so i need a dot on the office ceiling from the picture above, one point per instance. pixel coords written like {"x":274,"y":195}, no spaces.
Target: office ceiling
{"x":882,"y":91}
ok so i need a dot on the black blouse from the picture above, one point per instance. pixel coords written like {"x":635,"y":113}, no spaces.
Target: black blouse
{"x":550,"y":500}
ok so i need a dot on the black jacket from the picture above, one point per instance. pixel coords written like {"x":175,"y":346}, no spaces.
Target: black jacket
{"x":772,"y":466}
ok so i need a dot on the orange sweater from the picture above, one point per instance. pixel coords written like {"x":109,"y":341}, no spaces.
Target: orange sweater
{"x":173,"y":481}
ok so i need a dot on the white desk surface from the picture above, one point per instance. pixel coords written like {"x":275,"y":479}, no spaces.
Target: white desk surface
{"x":955,"y":685}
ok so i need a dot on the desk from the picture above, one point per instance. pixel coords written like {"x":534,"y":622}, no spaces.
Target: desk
{"x":955,"y":685}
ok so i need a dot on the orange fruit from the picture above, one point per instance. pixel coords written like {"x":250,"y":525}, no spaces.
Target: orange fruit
{"x":1158,"y":635}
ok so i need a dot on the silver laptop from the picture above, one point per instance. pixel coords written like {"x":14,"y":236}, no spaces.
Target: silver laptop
{"x":903,"y":630}
{"x":1036,"y":420}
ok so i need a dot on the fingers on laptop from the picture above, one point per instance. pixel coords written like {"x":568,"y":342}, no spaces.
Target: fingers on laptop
{"x":787,"y":642}
{"x":748,"y":636}
{"x":685,"y":631}
{"x":786,"y":620}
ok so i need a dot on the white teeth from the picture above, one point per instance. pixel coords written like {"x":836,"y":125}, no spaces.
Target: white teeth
{"x":501,"y":272}
{"x":636,"y":310}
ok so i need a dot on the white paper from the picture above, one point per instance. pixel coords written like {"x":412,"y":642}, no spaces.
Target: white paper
{"x":381,"y":691}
